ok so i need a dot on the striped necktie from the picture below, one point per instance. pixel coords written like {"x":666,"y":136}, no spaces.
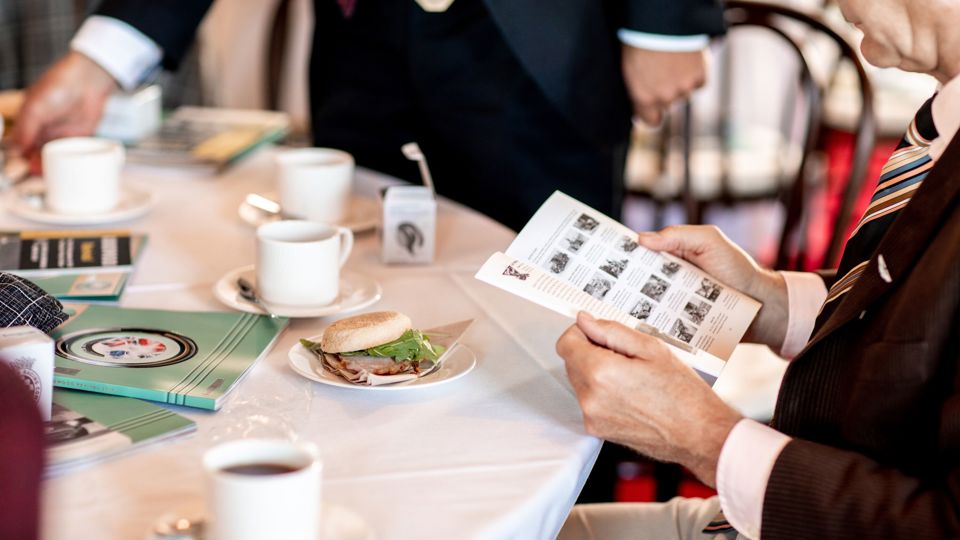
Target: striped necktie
{"x":899,"y":179}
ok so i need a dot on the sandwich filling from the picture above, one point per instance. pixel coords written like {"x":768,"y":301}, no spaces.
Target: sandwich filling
{"x":412,"y":352}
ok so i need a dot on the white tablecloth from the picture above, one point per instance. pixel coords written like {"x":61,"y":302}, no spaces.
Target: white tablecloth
{"x":500,"y":453}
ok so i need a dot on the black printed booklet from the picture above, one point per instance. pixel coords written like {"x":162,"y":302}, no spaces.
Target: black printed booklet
{"x":73,"y":265}
{"x":570,"y":258}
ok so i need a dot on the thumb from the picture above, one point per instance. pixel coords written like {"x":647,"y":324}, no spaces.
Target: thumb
{"x":619,"y":338}
{"x":685,"y":241}
{"x":27,"y":128}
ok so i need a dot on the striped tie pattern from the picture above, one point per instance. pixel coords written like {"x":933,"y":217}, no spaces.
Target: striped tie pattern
{"x":899,"y":179}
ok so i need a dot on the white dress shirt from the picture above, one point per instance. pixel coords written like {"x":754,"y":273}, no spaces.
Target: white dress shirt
{"x":129,"y":56}
{"x":122,"y":50}
{"x":751,"y":448}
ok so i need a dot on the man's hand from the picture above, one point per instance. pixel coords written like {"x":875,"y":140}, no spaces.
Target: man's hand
{"x":633,"y":391}
{"x":707,"y":247}
{"x":655,"y":79}
{"x":66,"y":101}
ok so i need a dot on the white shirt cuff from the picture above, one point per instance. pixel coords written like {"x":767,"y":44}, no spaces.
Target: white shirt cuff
{"x":805,"y":295}
{"x":663,"y":42}
{"x":743,"y":471}
{"x":122,"y":50}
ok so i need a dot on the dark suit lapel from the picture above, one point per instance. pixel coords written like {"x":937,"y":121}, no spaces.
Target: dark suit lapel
{"x":908,"y":237}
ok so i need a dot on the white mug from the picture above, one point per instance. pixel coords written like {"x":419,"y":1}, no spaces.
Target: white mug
{"x":82,"y":175}
{"x":262,"y":488}
{"x":315,"y":183}
{"x":298,"y":262}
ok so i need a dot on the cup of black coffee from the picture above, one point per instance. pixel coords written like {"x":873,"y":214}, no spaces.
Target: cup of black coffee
{"x":260,"y":469}
{"x":261,"y":488}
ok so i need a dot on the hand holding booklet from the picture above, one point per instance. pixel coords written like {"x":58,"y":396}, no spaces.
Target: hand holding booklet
{"x":571,"y":258}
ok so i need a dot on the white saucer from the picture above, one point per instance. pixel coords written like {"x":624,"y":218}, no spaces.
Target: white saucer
{"x":455,"y":363}
{"x":356,"y":291}
{"x":363,"y":213}
{"x":26,"y":201}
{"x":338,"y":523}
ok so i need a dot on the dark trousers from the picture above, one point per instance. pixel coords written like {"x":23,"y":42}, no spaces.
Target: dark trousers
{"x":393,"y":74}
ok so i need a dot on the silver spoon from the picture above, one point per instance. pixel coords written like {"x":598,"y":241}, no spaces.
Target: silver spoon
{"x":248,"y":292}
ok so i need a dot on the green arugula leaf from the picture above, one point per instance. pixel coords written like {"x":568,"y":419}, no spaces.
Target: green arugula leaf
{"x":312,"y":346}
{"x":412,"y":345}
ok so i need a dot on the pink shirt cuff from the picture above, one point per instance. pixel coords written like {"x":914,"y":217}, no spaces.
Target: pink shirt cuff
{"x":744,"y":468}
{"x":805,"y":295}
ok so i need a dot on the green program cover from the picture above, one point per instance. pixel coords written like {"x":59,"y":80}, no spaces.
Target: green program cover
{"x":89,"y":286}
{"x":87,"y":428}
{"x":95,"y":287}
{"x":179,"y":357}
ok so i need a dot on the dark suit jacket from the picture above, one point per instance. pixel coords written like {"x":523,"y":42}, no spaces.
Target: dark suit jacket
{"x":874,"y":400}
{"x":568,"y":46}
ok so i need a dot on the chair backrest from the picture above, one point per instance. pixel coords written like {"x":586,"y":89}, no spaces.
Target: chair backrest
{"x":801,"y":124}
{"x":771,"y":16}
{"x":254,"y":55}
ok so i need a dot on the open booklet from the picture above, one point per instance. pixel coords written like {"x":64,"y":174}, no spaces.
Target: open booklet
{"x":87,"y":428}
{"x":570,"y":257}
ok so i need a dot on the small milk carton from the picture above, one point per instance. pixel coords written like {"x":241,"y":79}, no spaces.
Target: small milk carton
{"x":131,"y":116}
{"x":30,"y":352}
{"x":409,"y":225}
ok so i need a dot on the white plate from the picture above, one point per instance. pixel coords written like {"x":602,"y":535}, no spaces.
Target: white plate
{"x":363,"y":213}
{"x":357,"y":291}
{"x":456,"y":363}
{"x":26,"y":201}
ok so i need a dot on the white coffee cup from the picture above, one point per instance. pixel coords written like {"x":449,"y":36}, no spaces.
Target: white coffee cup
{"x":262,"y":488}
{"x":298,"y":262}
{"x":315,"y":183}
{"x":82,"y":175}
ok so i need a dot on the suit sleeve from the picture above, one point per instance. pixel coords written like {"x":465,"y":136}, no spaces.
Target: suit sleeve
{"x":674,"y":17}
{"x":817,"y":491}
{"x":171,"y":24}
{"x":829,"y":276}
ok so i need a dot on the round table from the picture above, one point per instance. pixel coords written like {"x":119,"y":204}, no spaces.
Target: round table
{"x":499,"y":453}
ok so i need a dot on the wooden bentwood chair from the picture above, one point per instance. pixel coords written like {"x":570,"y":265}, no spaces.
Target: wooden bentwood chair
{"x":794,"y":187}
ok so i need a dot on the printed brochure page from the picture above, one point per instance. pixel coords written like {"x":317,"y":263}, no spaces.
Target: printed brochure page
{"x":575,"y":258}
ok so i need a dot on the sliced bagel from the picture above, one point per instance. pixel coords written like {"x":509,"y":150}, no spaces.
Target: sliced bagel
{"x":364,"y":331}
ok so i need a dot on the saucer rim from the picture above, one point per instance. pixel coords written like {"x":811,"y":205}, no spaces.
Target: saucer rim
{"x":324,"y":310}
{"x":17,"y":205}
{"x":358,"y":226}
{"x":298,"y":350}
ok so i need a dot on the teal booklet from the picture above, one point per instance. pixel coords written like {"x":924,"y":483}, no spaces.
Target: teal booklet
{"x":181,"y":357}
{"x":101,"y":287}
{"x":87,"y":428}
{"x":88,"y":283}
